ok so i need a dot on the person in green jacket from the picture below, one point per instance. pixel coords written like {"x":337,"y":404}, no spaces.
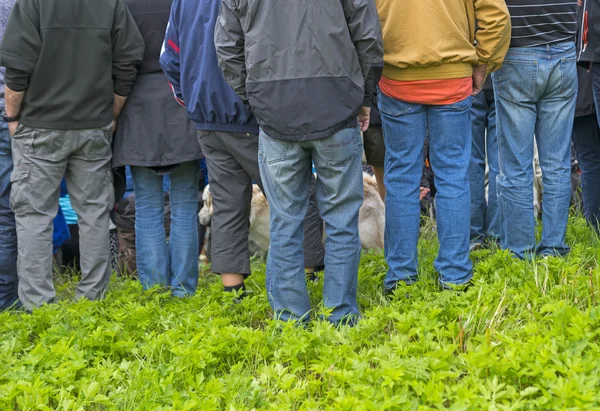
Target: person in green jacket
{"x":69,"y":66}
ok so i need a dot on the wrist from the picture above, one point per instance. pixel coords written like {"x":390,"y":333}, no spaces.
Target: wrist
{"x":9,"y":118}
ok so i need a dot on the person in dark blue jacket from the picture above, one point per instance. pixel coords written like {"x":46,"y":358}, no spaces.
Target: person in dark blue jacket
{"x":228,"y":135}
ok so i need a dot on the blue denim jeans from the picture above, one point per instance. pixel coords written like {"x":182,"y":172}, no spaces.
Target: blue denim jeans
{"x":535,"y":91}
{"x":405,"y":126}
{"x":485,"y":215}
{"x":285,"y":169}
{"x":174,"y":263}
{"x":8,"y":233}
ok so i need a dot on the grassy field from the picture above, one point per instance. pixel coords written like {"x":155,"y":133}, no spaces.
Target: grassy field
{"x":525,"y":336}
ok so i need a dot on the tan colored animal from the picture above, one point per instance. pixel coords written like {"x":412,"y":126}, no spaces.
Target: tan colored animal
{"x":371,"y":220}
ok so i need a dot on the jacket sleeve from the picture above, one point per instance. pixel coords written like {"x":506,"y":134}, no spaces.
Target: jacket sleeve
{"x":169,"y":56}
{"x":229,"y":43}
{"x":365,"y":30}
{"x":127,"y":50}
{"x":493,"y":34}
{"x":21,"y":44}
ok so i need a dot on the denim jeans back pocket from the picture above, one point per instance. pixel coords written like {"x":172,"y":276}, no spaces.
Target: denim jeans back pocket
{"x":393,"y":107}
{"x":341,"y":148}
{"x":516,"y":80}
{"x":271,"y":150}
{"x":568,"y":72}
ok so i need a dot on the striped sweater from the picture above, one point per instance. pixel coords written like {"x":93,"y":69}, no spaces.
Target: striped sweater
{"x":5,"y":8}
{"x":541,"y":22}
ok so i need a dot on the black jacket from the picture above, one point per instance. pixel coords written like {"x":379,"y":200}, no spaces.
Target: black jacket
{"x":588,"y":42}
{"x":153,"y":130}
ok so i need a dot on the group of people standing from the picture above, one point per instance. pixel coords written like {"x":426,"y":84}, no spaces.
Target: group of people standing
{"x":264,"y":90}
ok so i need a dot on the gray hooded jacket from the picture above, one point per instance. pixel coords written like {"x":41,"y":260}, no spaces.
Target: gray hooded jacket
{"x":305,"y":67}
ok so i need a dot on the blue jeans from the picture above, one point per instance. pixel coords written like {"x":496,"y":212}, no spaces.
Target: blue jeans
{"x":405,"y":126}
{"x":285,"y":169}
{"x":173,"y":264}
{"x":535,"y":91}
{"x":485,"y":215}
{"x":8,"y":233}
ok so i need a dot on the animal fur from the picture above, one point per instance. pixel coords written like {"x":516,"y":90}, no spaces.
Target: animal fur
{"x":371,"y":219}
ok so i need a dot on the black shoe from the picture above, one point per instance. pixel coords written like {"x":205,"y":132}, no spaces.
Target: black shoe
{"x":240,"y":291}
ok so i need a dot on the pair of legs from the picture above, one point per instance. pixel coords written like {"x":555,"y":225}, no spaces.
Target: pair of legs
{"x":485,"y":214}
{"x":172,"y":263}
{"x":232,"y":162}
{"x":586,"y":136}
{"x":405,"y":129}
{"x":41,"y":159}
{"x":286,"y":168}
{"x":8,"y":233}
{"x":536,"y":91}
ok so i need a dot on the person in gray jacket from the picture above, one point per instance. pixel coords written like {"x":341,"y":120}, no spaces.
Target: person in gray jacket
{"x":69,"y":66}
{"x":307,"y":69}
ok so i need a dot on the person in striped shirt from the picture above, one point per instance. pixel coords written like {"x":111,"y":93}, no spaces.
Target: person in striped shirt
{"x":535,"y":94}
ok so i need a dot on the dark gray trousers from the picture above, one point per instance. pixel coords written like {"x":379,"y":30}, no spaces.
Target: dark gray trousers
{"x":232,"y":162}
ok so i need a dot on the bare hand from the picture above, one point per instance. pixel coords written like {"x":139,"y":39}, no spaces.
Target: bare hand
{"x":364,"y":117}
{"x":12,"y":128}
{"x":423,"y":192}
{"x":479,"y":78}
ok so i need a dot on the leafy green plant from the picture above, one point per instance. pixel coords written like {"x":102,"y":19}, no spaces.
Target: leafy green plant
{"x":526,"y":336}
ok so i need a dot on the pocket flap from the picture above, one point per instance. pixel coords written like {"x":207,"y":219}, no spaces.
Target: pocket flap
{"x":20,"y":172}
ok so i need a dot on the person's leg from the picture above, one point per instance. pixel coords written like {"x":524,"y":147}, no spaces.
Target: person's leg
{"x":38,"y":171}
{"x":338,"y":160}
{"x":586,"y":137}
{"x":556,"y":111}
{"x":590,"y":172}
{"x":245,"y":151}
{"x":314,"y":251}
{"x":450,"y":153}
{"x":183,"y":241}
{"x":492,"y":223}
{"x":89,"y":180}
{"x":231,"y":190}
{"x":375,"y":154}
{"x":201,"y":228}
{"x":285,"y":169}
{"x":151,"y":250}
{"x":405,"y":128}
{"x":8,"y":246}
{"x":70,"y":249}
{"x":479,"y":118}
{"x":515,"y":93}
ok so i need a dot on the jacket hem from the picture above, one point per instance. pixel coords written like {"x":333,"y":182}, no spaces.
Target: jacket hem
{"x":319,"y":135}
{"x":50,"y":125}
{"x":232,"y":128}
{"x":149,"y":164}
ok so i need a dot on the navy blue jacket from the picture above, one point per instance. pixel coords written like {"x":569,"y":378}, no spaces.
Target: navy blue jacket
{"x":189,"y":60}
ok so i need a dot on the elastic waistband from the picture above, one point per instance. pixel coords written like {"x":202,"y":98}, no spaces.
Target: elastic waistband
{"x":443,"y":72}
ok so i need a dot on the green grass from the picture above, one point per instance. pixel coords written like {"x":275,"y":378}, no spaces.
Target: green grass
{"x":525,"y":336}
